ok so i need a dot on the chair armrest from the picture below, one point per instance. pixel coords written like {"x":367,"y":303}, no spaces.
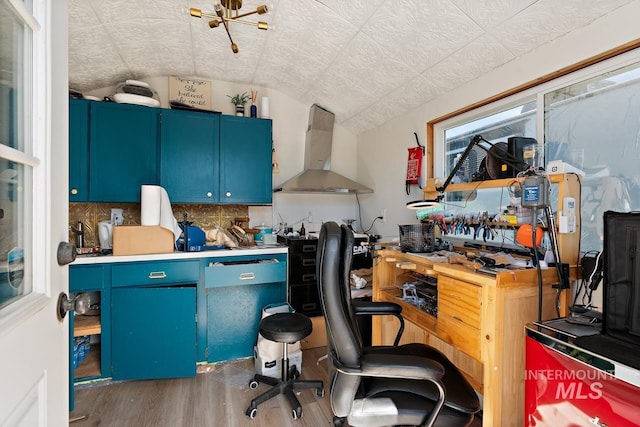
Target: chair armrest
{"x":381,"y":308}
{"x":376,"y":307}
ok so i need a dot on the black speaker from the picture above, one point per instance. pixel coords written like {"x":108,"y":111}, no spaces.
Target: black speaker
{"x":515,"y":146}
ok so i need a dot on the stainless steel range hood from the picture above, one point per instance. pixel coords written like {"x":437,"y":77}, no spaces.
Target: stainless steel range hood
{"x":317,"y":176}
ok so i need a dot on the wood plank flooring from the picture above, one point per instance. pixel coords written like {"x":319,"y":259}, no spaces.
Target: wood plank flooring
{"x":217,"y":398}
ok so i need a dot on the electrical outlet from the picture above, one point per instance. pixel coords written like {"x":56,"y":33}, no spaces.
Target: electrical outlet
{"x":116,"y":216}
{"x":383,"y":214}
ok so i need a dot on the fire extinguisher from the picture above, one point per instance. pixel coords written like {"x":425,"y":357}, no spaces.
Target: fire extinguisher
{"x":414,"y":166}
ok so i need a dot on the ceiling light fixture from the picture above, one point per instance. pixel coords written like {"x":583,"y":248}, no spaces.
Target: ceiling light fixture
{"x":227,"y":11}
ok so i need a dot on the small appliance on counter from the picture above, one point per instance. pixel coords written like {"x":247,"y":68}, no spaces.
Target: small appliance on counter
{"x":105,"y":234}
{"x":194,"y":236}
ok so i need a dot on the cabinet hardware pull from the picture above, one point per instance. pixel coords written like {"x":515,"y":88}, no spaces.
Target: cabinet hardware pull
{"x":157,"y":275}
{"x":247,"y":276}
{"x":458,"y":319}
{"x":74,"y":191}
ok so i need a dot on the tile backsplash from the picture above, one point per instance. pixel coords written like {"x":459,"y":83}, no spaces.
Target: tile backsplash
{"x":203,"y":216}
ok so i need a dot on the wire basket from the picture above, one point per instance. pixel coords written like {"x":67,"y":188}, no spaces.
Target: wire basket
{"x":417,"y":237}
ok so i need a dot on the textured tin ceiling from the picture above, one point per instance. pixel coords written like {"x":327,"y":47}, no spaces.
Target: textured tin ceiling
{"x":365,"y":60}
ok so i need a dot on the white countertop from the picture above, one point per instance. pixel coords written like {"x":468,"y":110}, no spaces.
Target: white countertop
{"x":254,"y":250}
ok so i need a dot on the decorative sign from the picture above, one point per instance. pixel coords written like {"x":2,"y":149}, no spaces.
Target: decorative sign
{"x":196,"y":93}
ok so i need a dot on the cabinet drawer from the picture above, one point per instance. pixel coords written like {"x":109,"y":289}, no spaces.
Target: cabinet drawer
{"x":459,"y":334}
{"x":218,"y":276}
{"x":304,"y":299}
{"x":86,"y":278}
{"x":155,"y":273}
{"x":459,"y":300}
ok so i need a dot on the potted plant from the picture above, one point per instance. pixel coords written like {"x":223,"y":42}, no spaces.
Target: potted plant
{"x":239,"y":101}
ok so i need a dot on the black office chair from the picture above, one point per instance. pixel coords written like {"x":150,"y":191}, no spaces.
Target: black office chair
{"x":410,"y":384}
{"x":285,"y":328}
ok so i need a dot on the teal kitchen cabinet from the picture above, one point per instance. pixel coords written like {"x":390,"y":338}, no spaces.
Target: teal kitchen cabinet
{"x":123,"y":151}
{"x":78,"y":150}
{"x":245,"y":160}
{"x":189,"y":152}
{"x":154,"y":319}
{"x":236,"y":290}
{"x":90,"y":343}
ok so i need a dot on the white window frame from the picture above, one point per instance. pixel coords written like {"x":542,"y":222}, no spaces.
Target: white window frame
{"x":34,"y":155}
{"x":537,"y":92}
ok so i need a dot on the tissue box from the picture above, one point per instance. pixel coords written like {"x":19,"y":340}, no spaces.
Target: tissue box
{"x":141,"y":240}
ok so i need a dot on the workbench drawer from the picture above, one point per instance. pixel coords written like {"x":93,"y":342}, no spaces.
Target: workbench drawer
{"x":223,"y":275}
{"x":459,"y":334}
{"x":459,"y":300}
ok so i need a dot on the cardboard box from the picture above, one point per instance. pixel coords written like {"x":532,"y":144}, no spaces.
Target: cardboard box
{"x":271,"y":368}
{"x":318,"y":337}
{"x":141,"y":240}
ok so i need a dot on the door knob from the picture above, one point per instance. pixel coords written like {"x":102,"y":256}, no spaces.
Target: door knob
{"x":80,"y":304}
{"x":66,"y":253}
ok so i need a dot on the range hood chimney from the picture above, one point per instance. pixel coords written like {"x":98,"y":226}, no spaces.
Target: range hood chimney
{"x":317,"y":176}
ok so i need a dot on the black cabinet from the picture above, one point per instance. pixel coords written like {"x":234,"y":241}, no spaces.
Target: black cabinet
{"x":303,"y":284}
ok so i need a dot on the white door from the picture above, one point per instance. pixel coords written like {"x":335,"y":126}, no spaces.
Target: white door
{"x":34,"y":365}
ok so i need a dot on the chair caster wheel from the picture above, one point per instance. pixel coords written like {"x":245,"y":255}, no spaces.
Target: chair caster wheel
{"x":338,"y":422}
{"x":252,"y":412}
{"x":320,"y":392}
{"x":297,"y":413}
{"x":253,"y":384}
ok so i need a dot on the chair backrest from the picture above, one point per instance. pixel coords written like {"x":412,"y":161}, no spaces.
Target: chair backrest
{"x":346,"y":248}
{"x":335,"y":251}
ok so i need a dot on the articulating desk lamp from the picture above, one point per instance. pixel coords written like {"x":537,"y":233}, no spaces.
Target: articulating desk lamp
{"x":495,"y":152}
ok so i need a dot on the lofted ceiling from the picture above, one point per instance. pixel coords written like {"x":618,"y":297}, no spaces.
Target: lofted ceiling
{"x":367,"y":61}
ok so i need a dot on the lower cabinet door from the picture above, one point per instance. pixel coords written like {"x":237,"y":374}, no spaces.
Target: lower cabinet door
{"x":234,"y":314}
{"x":153,"y":332}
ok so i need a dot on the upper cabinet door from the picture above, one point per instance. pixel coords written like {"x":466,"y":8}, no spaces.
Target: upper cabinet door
{"x":78,"y":150}
{"x":245,"y":160}
{"x":189,"y":151}
{"x":123,"y":151}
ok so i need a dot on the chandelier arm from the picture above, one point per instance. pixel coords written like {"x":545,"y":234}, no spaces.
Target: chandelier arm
{"x":226,"y":27}
{"x":209,"y":15}
{"x":246,"y":14}
{"x":242,"y":21}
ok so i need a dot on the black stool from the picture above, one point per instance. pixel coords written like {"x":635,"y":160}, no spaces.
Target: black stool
{"x":286,"y":328}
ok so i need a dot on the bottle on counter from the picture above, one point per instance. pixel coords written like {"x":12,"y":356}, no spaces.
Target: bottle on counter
{"x":302,"y":231}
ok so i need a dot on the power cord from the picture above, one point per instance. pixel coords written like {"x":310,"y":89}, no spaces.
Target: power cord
{"x":372,"y":222}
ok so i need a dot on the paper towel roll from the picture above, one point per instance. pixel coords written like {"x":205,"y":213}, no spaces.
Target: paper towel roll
{"x":155,"y":208}
{"x":264,"y":108}
{"x":150,"y":205}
